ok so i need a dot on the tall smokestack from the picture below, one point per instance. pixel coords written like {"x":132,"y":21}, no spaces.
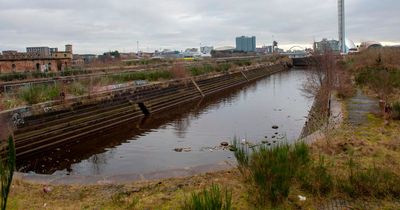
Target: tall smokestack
{"x":342,"y":30}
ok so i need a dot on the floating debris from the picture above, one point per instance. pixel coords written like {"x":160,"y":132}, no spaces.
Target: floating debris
{"x":178,"y":149}
{"x":187,"y":149}
{"x":224,"y":144}
{"x":275,"y":127}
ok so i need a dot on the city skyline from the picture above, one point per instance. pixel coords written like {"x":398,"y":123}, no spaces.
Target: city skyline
{"x":99,"y":26}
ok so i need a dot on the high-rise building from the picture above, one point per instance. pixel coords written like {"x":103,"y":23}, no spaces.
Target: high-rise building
{"x":342,"y":26}
{"x":246,"y":44}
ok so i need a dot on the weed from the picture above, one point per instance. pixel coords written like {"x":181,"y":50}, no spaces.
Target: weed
{"x":12,"y":76}
{"x":71,"y":72}
{"x":209,"y":199}
{"x":378,"y":182}
{"x":123,"y":200}
{"x":39,"y":93}
{"x":316,"y":178}
{"x":271,"y":170}
{"x":148,"y":75}
{"x":77,"y":89}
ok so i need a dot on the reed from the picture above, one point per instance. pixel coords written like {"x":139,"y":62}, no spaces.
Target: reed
{"x":209,"y":199}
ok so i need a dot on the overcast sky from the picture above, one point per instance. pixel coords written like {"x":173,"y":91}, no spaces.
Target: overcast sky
{"x":95,"y":26}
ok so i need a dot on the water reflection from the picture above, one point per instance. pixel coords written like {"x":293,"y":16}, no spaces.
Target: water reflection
{"x":147,"y":145}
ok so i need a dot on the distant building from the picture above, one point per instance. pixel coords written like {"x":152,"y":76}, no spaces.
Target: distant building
{"x":206,"y":49}
{"x":36,"y":59}
{"x":279,"y":50}
{"x":369,"y":45}
{"x":265,"y":50}
{"x":42,"y":51}
{"x":326,"y":45}
{"x":191,"y":53}
{"x":166,"y":53}
{"x":246,"y":44}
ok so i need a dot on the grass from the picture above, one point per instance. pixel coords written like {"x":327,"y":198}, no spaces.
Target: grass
{"x":208,"y":68}
{"x":209,"y":199}
{"x":71,"y":72}
{"x":270,"y":171}
{"x":373,"y":181}
{"x":146,"y":75}
{"x":39,"y":93}
{"x":12,"y":76}
{"x":77,"y":89}
{"x":37,"y":74}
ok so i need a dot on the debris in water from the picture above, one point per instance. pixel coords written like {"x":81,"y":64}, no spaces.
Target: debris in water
{"x":275,"y":127}
{"x":189,"y":149}
{"x":178,"y":149}
{"x":224,"y":144}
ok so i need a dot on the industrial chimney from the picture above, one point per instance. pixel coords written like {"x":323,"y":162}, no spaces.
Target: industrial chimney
{"x":342,"y":30}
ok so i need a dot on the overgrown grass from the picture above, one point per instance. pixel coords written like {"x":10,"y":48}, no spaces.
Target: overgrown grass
{"x":37,"y":74}
{"x":146,"y":75}
{"x":77,"y":89}
{"x":12,"y":76}
{"x":315,"y":177}
{"x":243,"y":63}
{"x":71,"y":72}
{"x":373,"y":74}
{"x":39,"y":93}
{"x":208,"y":68}
{"x":209,"y":199}
{"x":270,"y":171}
{"x":376,"y":182}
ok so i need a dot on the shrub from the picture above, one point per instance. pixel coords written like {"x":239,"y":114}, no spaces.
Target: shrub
{"x":209,"y":199}
{"x":271,"y":170}
{"x":7,"y":168}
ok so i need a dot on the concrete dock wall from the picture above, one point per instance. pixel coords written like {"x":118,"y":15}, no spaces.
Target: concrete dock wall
{"x":51,"y":124}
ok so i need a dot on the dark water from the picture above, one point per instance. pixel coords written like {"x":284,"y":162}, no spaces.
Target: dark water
{"x":248,"y":112}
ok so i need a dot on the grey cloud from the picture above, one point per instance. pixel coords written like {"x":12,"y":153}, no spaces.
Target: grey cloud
{"x":102,"y":25}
